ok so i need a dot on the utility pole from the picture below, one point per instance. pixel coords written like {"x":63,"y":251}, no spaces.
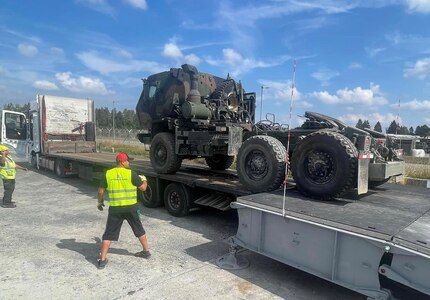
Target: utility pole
{"x":113,"y":119}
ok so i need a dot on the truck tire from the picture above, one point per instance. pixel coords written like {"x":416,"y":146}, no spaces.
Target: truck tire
{"x":223,"y":90}
{"x":59,"y":167}
{"x":261,"y":163}
{"x":149,"y":198}
{"x":219,"y":162}
{"x":324,"y":165}
{"x":164,"y":160}
{"x":177,"y":199}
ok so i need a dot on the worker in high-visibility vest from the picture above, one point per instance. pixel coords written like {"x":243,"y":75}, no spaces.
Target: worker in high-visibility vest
{"x":8,"y":169}
{"x":120,"y":183}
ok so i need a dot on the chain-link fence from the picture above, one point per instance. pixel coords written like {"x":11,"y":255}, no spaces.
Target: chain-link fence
{"x":118,"y":135}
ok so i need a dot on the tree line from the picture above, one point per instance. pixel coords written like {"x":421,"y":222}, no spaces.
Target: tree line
{"x":125,"y":119}
{"x":395,"y":128}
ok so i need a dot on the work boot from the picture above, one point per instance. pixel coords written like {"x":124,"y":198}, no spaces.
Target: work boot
{"x":143,"y":254}
{"x":9,"y":205}
{"x":101,"y":264}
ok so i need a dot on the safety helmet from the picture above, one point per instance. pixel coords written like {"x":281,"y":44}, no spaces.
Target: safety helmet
{"x":3,"y":148}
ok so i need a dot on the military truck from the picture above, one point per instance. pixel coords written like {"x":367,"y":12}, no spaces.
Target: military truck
{"x":187,"y":114}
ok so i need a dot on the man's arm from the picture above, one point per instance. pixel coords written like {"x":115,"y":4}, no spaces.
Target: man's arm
{"x":20,"y":168}
{"x":100,"y":194}
{"x":3,"y":158}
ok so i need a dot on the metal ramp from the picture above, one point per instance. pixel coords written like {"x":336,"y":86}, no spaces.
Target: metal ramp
{"x":218,"y":201}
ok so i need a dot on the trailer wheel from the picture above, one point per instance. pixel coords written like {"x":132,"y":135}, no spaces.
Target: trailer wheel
{"x":177,"y":199}
{"x":219,"y":161}
{"x":59,"y":168}
{"x":149,"y":197}
{"x":324,"y":165}
{"x":261,"y":163}
{"x":164,"y":160}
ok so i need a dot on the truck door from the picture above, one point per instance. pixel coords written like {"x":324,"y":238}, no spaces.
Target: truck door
{"x":14,"y":131}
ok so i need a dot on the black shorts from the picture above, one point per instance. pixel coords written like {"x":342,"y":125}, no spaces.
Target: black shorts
{"x":114,"y":223}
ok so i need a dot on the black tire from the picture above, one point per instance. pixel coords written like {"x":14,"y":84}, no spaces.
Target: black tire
{"x":33,"y":161}
{"x":178,"y":199}
{"x":261,"y":163}
{"x":219,"y":162}
{"x":164,"y":160}
{"x":59,"y":168}
{"x":374,"y":184}
{"x":324,"y":165}
{"x":149,"y":198}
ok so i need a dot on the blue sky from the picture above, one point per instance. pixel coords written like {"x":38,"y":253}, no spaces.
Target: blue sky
{"x":354,"y":59}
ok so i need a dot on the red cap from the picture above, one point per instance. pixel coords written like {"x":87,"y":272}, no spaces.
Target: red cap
{"x":122,"y":157}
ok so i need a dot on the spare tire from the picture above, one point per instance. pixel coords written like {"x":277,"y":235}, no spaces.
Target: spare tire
{"x":324,"y":165}
{"x":261,"y":163}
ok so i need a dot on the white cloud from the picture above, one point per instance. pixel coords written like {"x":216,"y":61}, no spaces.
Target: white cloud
{"x":373,"y":118}
{"x":427,"y":120}
{"x":45,"y":85}
{"x":141,"y":4}
{"x":325,"y":75}
{"x":94,"y":61}
{"x":420,"y":70}
{"x":355,"y":66}
{"x":279,"y":91}
{"x":414,"y":105}
{"x":237,"y":64}
{"x":82,"y":84}
{"x":373,"y":51}
{"x":419,"y":6}
{"x":192,"y":59}
{"x":358,"y":95}
{"x":27,"y":50}
{"x":172,"y":50}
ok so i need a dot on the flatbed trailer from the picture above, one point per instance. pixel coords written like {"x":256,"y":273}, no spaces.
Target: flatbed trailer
{"x":191,"y":186}
{"x":377,"y":245}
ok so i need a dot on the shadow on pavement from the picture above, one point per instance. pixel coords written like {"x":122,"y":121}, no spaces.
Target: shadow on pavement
{"x":91,"y":251}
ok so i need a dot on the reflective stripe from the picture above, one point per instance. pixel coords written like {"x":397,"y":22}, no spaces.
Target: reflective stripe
{"x":121,"y":191}
{"x":8,"y":171}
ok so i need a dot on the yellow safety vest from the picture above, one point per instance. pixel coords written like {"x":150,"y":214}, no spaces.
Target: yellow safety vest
{"x":8,"y":171}
{"x":121,"y":191}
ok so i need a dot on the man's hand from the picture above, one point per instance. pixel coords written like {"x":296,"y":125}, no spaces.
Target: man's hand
{"x":143,"y":177}
{"x":100,"y":206}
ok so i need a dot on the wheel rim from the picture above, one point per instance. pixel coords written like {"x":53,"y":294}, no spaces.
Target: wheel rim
{"x":161,"y":154}
{"x":174,"y":200}
{"x":320,"y":167}
{"x":256,"y":165}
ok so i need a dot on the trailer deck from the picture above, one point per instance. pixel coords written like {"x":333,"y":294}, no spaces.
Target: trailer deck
{"x":364,"y":244}
{"x":191,"y":175}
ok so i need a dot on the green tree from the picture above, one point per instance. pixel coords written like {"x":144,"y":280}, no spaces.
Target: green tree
{"x":366,"y":124}
{"x":403,"y":130}
{"x":23,"y":108}
{"x":378,"y":127}
{"x":393,"y":128}
{"x":411,"y":130}
{"x":103,"y":117}
{"x":359,"y":124}
{"x":423,"y":131}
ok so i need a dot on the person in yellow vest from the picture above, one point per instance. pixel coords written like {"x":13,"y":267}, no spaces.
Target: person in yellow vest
{"x":120,"y":183}
{"x":8,"y":173}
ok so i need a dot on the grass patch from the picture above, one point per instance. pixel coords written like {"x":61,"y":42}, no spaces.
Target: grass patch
{"x":417,"y":171}
{"x":115,"y":147}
